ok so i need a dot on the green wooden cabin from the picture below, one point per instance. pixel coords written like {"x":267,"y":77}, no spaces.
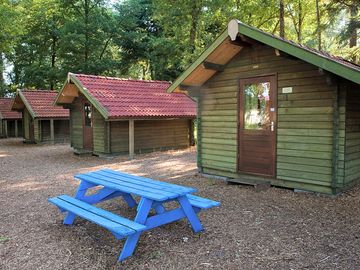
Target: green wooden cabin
{"x":10,"y":121}
{"x":275,"y":111}
{"x":42,"y":121}
{"x":112,"y":116}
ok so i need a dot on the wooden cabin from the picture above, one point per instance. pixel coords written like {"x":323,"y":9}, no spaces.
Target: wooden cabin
{"x":42,"y":121}
{"x":112,"y":116}
{"x":270,"y":110}
{"x":10,"y":121}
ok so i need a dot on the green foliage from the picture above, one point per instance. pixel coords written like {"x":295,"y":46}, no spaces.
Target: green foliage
{"x":42,"y":40}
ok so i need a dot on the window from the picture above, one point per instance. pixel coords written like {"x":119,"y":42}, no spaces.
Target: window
{"x":87,"y":115}
{"x":256,"y":106}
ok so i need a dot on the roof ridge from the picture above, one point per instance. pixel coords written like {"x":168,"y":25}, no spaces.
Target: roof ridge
{"x":37,"y":90}
{"x":120,"y":79}
{"x":301,"y":45}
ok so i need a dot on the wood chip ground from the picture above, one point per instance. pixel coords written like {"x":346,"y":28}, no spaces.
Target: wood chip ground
{"x":271,"y":229}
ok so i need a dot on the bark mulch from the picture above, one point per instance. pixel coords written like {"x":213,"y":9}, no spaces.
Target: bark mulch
{"x":271,"y":229}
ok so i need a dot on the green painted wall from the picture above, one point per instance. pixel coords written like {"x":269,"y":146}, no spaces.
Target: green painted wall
{"x":76,"y":130}
{"x":119,"y":137}
{"x":26,"y":124}
{"x":304,"y":127}
{"x":150,"y":135}
{"x":99,"y":133}
{"x":1,"y":128}
{"x":352,"y":154}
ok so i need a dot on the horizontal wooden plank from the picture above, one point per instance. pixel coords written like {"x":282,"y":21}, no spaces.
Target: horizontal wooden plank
{"x":305,"y":146}
{"x":232,"y":130}
{"x":305,"y":168}
{"x":226,"y":159}
{"x":304,"y":175}
{"x":304,"y":161}
{"x":305,"y":139}
{"x":306,"y":132}
{"x":232,"y":118}
{"x":213,"y":135}
{"x":218,"y":113}
{"x":305,"y":124}
{"x":218,"y":164}
{"x":219,"y":141}
{"x":212,"y":146}
{"x":307,"y":118}
{"x":218,"y":124}
{"x":304,"y":180}
{"x":219,"y":152}
{"x":305,"y":103}
{"x":306,"y":111}
{"x":306,"y":96}
{"x":307,"y":154}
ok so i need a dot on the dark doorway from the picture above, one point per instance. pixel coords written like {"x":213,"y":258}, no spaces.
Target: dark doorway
{"x":257,"y":125}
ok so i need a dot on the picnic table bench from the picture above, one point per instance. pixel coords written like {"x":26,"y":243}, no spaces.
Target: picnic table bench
{"x":153,"y":195}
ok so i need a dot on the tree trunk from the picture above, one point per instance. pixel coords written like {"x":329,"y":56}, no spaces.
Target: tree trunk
{"x":196,"y":9}
{"x":318,"y":26}
{"x":2,"y":82}
{"x":282,"y":19}
{"x":300,"y":21}
{"x":53,"y":61}
{"x":86,"y":21}
{"x":352,"y":25}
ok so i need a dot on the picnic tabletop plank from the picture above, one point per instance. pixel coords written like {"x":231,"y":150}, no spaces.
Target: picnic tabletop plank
{"x":146,"y":182}
{"x":140,"y":186}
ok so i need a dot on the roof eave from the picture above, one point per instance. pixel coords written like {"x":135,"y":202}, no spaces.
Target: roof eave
{"x":294,"y":50}
{"x":26,"y":103}
{"x":86,"y":93}
{"x":223,"y":36}
{"x":236,"y":27}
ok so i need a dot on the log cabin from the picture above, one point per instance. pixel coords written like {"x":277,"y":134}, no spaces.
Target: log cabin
{"x":276,"y":112}
{"x":42,"y":121}
{"x":10,"y":121}
{"x":112,"y":116}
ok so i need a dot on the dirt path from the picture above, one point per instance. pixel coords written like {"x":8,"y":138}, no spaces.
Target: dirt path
{"x":273,"y":229}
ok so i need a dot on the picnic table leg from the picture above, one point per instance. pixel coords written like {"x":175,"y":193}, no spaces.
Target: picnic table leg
{"x":142,"y":214}
{"x":190,"y":214}
{"x":129,"y":200}
{"x":80,"y":194}
{"x":159,"y":208}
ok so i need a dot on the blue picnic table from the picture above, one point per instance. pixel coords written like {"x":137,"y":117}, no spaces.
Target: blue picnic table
{"x":153,"y":195}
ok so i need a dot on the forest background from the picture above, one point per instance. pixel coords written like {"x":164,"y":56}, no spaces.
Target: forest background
{"x":42,"y":40}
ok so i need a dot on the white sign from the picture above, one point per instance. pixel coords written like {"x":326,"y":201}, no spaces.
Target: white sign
{"x":287,"y":90}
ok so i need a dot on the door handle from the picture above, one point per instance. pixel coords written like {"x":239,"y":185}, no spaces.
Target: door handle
{"x":272,"y":126}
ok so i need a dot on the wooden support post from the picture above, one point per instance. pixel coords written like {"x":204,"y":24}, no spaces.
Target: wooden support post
{"x":6,"y":128}
{"x":131,"y":138}
{"x":16,"y":129}
{"x":52,"y":135}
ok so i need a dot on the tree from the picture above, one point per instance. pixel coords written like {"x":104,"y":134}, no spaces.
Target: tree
{"x":318,"y":24}
{"x":282,"y":19}
{"x":87,"y":37}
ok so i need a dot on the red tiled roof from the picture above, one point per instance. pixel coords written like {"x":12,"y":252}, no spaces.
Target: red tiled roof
{"x":5,"y":109}
{"x":41,"y":103}
{"x":137,"y":98}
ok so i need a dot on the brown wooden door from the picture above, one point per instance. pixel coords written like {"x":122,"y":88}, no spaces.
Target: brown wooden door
{"x":257,"y":125}
{"x":87,"y":126}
